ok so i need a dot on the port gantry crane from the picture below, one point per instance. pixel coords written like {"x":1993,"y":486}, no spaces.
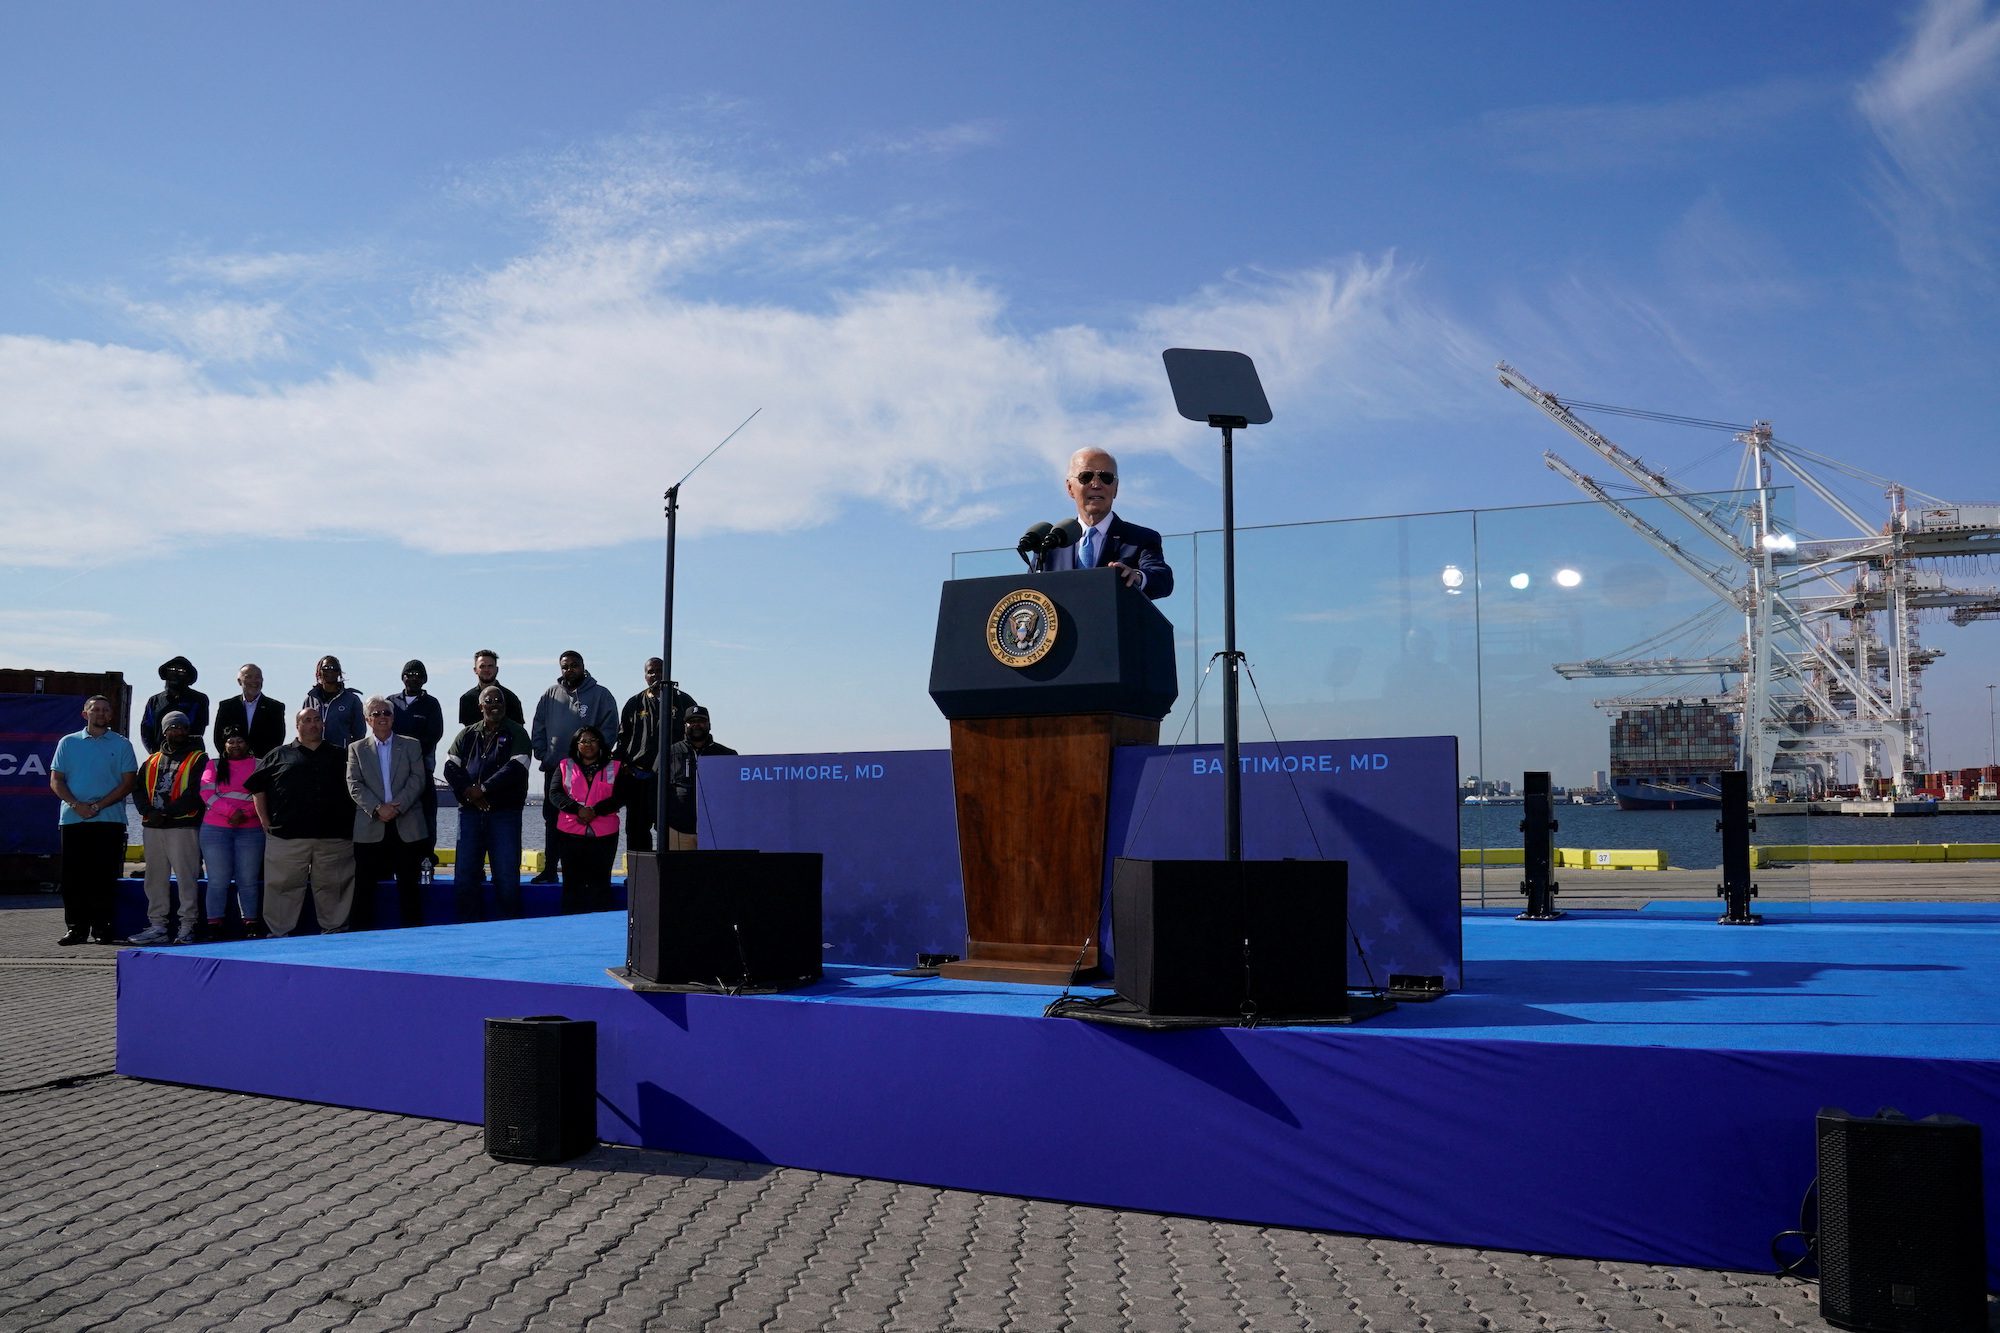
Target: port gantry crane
{"x":1819,"y":684}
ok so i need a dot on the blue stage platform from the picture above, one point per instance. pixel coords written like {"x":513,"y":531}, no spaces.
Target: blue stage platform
{"x":1622,"y":1085}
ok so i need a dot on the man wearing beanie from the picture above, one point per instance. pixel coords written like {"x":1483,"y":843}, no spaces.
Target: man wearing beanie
{"x":420,"y":716}
{"x":168,"y":798}
{"x":180,"y":696}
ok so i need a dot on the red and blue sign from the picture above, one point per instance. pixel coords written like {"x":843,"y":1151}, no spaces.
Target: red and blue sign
{"x":30,"y":726}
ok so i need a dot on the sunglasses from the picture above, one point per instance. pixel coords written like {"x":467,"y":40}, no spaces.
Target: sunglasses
{"x":1108,"y":478}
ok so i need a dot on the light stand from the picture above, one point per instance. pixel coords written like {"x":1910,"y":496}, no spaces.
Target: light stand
{"x":664,"y":766}
{"x":1222,"y":389}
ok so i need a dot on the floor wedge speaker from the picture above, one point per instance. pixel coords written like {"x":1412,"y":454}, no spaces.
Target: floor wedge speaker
{"x":728,"y":918}
{"x":1902,"y":1223}
{"x":541,"y":1088}
{"x":1217,"y":939}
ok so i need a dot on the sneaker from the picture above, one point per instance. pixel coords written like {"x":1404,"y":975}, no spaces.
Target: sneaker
{"x":150,"y":935}
{"x":75,"y":935}
{"x":253,"y":929}
{"x":103,"y":937}
{"x":186,"y":937}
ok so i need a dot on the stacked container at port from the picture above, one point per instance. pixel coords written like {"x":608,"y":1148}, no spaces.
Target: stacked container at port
{"x":1672,"y":756}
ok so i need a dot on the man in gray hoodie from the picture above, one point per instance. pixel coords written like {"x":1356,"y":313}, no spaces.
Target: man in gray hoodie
{"x":575,"y":700}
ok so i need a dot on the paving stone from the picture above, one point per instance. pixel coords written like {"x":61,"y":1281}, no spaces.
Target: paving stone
{"x":308,"y":1217}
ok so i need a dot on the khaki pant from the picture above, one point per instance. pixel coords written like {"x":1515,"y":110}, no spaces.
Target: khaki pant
{"x":176,"y":852}
{"x":289,"y":862}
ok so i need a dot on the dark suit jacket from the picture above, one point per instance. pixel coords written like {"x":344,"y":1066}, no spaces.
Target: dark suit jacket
{"x":1126,"y":543}
{"x":267,"y":733}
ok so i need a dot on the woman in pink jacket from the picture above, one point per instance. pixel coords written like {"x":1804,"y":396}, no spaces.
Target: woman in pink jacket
{"x":232,"y":841}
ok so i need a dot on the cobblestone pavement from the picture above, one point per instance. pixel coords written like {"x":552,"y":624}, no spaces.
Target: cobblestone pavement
{"x":127,"y":1205}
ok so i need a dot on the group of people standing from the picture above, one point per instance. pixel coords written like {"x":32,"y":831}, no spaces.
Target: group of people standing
{"x":351,"y":797}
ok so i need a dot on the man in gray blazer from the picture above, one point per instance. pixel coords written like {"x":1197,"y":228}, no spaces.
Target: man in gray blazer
{"x":386,"y":777}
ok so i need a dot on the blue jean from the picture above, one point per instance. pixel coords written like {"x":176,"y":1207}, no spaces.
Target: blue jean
{"x":483,"y":834}
{"x":238,"y":854}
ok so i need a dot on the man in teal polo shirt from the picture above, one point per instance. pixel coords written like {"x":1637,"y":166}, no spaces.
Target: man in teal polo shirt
{"x":92,"y":774}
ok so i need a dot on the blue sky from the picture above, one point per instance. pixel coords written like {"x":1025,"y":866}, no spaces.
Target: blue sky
{"x":379,"y":329}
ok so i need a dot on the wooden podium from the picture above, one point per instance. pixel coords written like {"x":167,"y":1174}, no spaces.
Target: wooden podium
{"x":1041,"y":675}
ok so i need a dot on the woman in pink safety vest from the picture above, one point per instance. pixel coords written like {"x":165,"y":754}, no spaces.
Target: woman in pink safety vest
{"x":589,"y":790}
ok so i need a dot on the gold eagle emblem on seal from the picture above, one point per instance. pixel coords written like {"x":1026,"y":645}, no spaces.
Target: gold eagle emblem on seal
{"x":1022,"y":628}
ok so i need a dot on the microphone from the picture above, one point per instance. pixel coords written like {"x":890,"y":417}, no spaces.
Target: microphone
{"x":1057,"y":537}
{"x":1031,"y":540}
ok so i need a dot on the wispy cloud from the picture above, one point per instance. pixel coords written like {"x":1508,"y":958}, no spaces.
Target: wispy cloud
{"x":1718,"y":261}
{"x":945,"y":141}
{"x":72,"y":640}
{"x":552,"y":394}
{"x":214,"y":331}
{"x":1934,"y":106}
{"x":271,"y":268}
{"x":1611,"y":136}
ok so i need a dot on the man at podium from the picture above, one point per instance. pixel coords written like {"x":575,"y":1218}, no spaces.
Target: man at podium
{"x":1098,"y":537}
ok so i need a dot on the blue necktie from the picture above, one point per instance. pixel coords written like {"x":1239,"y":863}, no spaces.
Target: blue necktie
{"x":1088,"y":560}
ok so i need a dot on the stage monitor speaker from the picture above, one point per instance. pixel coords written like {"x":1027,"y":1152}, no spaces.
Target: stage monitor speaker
{"x":731,"y":918}
{"x":541,"y":1088}
{"x":1200,"y":939}
{"x":1902,"y":1223}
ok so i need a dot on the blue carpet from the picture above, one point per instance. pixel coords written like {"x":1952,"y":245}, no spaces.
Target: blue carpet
{"x":1853,"y":978}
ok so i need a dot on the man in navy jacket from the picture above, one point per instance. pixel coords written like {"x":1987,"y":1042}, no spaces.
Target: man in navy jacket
{"x":1099,"y":538}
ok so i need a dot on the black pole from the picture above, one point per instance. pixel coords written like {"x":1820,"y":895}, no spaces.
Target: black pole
{"x":1736,"y":825}
{"x":664,"y":763}
{"x":1537,"y":848}
{"x":1232,"y":739}
{"x":666,"y":676}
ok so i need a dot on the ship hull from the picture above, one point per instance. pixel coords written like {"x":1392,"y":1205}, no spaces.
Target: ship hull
{"x":1645,"y":796}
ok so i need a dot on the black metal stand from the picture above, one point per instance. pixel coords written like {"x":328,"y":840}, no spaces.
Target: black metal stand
{"x":1736,"y":890}
{"x":1232,"y":723}
{"x":1537,"y":849}
{"x":1222,"y":389}
{"x":673,"y":499}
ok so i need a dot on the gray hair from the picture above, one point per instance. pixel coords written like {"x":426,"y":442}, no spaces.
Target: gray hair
{"x":368,"y":704}
{"x":493,"y":690}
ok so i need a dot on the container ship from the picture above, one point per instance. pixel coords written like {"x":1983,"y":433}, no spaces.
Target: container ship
{"x":1672,"y":756}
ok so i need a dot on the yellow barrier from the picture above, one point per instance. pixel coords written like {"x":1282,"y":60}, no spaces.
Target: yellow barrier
{"x":1597,"y":858}
{"x":531,"y":862}
{"x":1972,"y":851}
{"x":1490,"y":856}
{"x":1840,"y":854}
{"x":1570,"y":858}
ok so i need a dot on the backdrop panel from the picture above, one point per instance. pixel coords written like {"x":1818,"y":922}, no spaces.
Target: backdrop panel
{"x":30,"y":726}
{"x":1387,"y":806}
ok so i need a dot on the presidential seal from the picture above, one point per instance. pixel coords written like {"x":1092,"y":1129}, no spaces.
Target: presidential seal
{"x":1022,"y":628}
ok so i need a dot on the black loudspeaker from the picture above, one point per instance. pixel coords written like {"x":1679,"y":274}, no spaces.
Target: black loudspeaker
{"x":1201,"y":939}
{"x":541,"y":1088}
{"x":729,"y":918}
{"x":1902,"y":1223}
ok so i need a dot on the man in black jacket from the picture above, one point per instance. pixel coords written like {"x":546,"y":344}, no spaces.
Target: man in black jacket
{"x":256,"y":714}
{"x":180,"y":696}
{"x":487,"y":768}
{"x":420,"y":716}
{"x":638,"y":750}
{"x":486,"y":671}
{"x":685,"y":764}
